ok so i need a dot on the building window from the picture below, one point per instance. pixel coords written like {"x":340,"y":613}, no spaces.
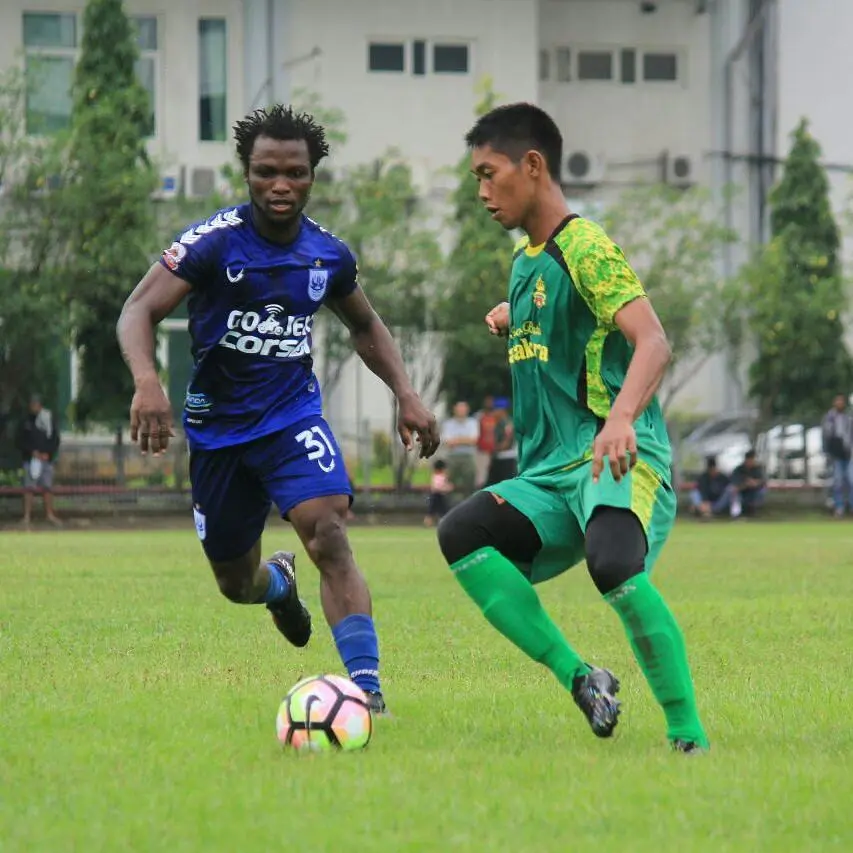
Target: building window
{"x":450,"y":58}
{"x":564,"y":65}
{"x":595,"y":65}
{"x":628,"y":65}
{"x":385,"y":56}
{"x":660,"y":67}
{"x":213,"y":61}
{"x":544,"y":64}
{"x":50,"y":30}
{"x":146,"y":65}
{"x":419,"y":57}
{"x":50,"y":42}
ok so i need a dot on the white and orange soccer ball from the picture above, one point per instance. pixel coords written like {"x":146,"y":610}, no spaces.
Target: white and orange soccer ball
{"x":323,"y":713}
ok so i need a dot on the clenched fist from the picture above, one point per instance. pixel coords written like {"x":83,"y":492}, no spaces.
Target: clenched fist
{"x":498,"y":320}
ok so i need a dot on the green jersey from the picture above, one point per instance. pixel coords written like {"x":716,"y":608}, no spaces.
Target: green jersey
{"x":567,"y":356}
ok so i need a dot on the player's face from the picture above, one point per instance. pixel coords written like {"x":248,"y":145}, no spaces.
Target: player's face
{"x":279,"y":178}
{"x":505,"y":188}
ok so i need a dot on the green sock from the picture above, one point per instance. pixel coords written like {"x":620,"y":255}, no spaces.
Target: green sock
{"x":658,"y":645}
{"x":510,"y":603}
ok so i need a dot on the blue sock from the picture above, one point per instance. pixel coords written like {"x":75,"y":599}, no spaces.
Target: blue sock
{"x":355,"y":637}
{"x":279,"y":585}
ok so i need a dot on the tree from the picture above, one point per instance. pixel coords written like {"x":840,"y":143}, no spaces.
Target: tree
{"x":477,"y":274}
{"x":795,"y":294}
{"x":33,"y":327}
{"x":107,"y":214}
{"x":375,"y":209}
{"x":672,"y":237}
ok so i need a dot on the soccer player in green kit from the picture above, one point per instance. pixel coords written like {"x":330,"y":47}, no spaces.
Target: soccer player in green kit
{"x":587,"y":354}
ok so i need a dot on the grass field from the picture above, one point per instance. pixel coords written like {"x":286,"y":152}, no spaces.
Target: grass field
{"x":137,"y":707}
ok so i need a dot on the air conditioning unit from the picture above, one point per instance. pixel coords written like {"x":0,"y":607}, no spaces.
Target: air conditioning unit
{"x":204,"y":181}
{"x":678,"y":170}
{"x":583,"y":169}
{"x":169,"y":186}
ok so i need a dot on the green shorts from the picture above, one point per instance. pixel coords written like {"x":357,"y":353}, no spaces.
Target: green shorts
{"x":561,"y":503}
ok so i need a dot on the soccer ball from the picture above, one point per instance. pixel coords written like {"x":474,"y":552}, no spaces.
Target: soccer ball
{"x":322,"y":713}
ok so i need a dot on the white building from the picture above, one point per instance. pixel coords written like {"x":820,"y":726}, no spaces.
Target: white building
{"x":642,"y":90}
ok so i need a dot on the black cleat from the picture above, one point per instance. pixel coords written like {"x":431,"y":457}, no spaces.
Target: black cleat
{"x":688,"y":747}
{"x":290,"y":615}
{"x":595,"y":694}
{"x":376,"y":703}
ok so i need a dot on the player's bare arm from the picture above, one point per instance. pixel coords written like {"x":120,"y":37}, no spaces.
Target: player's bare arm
{"x":153,"y":299}
{"x":378,"y":350}
{"x":617,"y":441}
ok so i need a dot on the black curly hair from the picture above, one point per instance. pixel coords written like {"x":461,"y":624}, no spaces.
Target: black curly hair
{"x":280,"y":122}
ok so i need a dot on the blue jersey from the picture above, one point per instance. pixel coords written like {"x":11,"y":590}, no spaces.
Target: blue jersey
{"x":251,"y":313}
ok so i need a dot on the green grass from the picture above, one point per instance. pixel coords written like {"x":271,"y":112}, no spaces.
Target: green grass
{"x":137,"y":707}
{"x":383,"y":475}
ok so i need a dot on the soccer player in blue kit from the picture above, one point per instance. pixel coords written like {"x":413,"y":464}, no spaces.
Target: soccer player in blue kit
{"x":255,"y":276}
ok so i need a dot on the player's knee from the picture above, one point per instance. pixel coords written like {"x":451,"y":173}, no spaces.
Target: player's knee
{"x":328,"y":546}
{"x":236,"y":586}
{"x":615,"y":548}
{"x":461,"y":532}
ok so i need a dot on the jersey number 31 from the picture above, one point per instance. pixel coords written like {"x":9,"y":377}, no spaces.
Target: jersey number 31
{"x":317,"y":443}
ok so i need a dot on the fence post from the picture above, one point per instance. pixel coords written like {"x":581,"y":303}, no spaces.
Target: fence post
{"x":365,"y":452}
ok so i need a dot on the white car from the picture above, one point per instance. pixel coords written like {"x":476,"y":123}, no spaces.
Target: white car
{"x":793,"y":452}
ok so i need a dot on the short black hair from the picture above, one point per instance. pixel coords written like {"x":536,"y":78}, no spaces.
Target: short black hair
{"x":711,"y":462}
{"x":750,"y":454}
{"x":515,"y":129}
{"x":280,"y":122}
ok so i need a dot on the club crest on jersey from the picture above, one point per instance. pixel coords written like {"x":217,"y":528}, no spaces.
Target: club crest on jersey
{"x":173,"y":256}
{"x":540,"y":297}
{"x":318,"y":281}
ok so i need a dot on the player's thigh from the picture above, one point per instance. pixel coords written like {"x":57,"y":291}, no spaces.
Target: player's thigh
{"x":300,"y":464}
{"x":486,"y":520}
{"x":560,"y":534}
{"x":230,"y":507}
{"x":642,"y":491}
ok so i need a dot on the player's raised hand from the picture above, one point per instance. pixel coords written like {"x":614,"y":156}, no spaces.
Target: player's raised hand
{"x":151,"y":418}
{"x":498,"y":320}
{"x":414,"y":418}
{"x":615,"y":445}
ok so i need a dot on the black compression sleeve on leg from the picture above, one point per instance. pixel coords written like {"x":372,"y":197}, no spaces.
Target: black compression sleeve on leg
{"x":481,"y":521}
{"x":615,"y":548}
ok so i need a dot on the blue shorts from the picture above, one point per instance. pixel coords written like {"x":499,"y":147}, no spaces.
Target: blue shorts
{"x":234,"y":487}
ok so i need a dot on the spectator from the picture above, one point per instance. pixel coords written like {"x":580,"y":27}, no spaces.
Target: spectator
{"x":504,"y":463}
{"x":712,"y":495}
{"x":38,"y":441}
{"x":439,"y":488}
{"x":460,"y":435}
{"x":748,"y":487}
{"x":837,"y":439}
{"x":486,"y":419}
